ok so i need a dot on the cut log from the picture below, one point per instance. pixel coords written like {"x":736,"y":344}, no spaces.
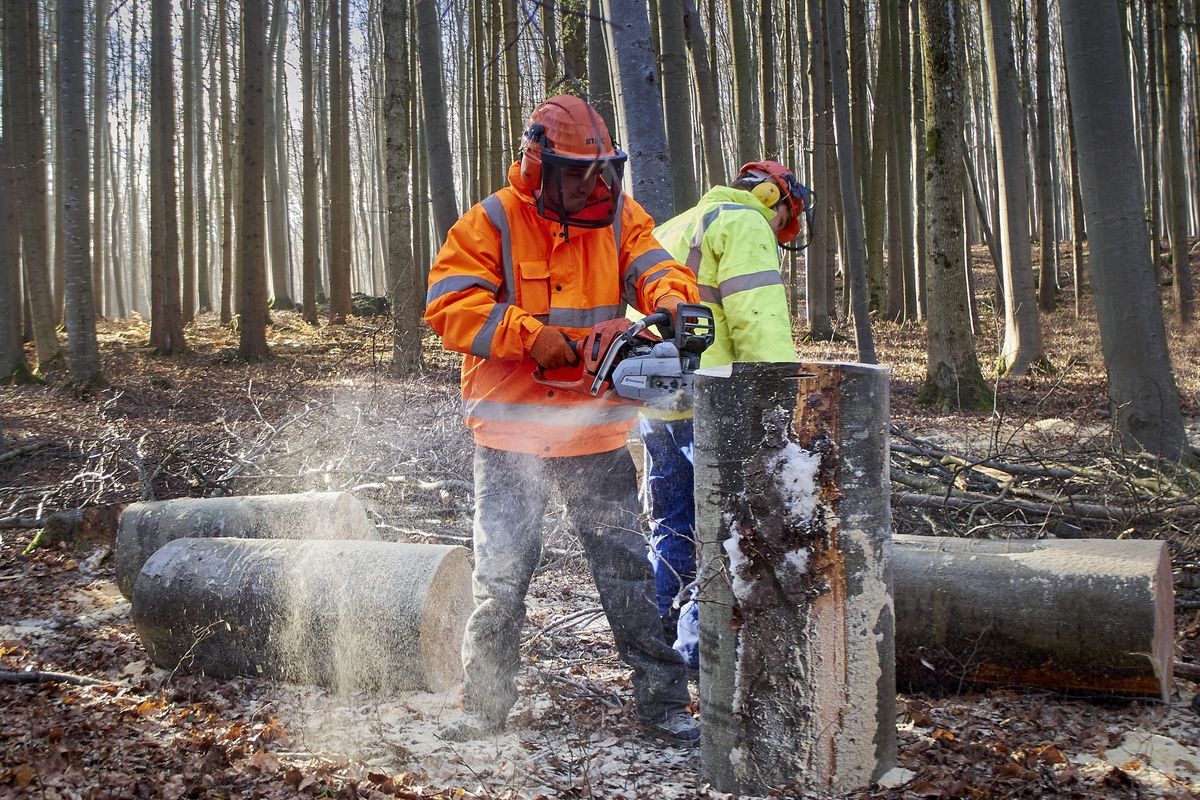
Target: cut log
{"x":796,"y":628}
{"x":1090,"y":615}
{"x":145,"y":527}
{"x":381,"y":616}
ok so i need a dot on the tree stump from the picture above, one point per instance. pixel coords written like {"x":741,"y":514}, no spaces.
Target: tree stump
{"x":145,"y":527}
{"x":1090,"y":615}
{"x":796,"y":629}
{"x":352,"y":615}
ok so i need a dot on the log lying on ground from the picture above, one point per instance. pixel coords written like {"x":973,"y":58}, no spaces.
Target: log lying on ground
{"x":1089,"y":615}
{"x":145,"y":527}
{"x":352,"y":615}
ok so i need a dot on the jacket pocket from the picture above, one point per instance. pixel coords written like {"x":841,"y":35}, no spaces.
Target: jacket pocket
{"x":534,"y":286}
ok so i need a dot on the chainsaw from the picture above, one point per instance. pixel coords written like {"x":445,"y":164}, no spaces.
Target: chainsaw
{"x":625,"y":362}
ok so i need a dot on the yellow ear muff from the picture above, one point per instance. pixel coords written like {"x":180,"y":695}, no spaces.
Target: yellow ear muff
{"x":767,"y":193}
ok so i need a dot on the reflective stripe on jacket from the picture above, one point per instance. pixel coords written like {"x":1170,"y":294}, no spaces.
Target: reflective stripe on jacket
{"x":503,"y":274}
{"x":727,"y":241}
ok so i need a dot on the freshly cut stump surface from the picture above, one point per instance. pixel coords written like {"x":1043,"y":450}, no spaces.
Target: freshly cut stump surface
{"x":1088,"y":615}
{"x":352,"y":615}
{"x":145,"y":527}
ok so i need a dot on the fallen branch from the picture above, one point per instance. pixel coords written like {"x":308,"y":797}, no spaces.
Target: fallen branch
{"x":22,"y":522}
{"x":17,"y":452}
{"x":34,"y":676}
{"x":1189,"y":672}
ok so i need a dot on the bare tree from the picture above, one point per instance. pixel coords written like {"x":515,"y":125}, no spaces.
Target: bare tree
{"x":1141,"y":384}
{"x":12,"y":356}
{"x":99,"y":144}
{"x":1176,"y":165}
{"x":166,"y":319}
{"x":252,"y":330}
{"x":1048,"y":271}
{"x":953,"y":377}
{"x":83,"y":357}
{"x":441,"y":177}
{"x":226,"y":166}
{"x":641,"y":105}
{"x":403,"y":278}
{"x":311,"y":209}
{"x":676,"y":81}
{"x":340,"y":222}
{"x":1022,"y":348}
{"x":706,"y":94}
{"x":22,"y":45}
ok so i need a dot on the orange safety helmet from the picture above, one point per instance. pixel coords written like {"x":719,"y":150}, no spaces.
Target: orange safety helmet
{"x":566,"y":138}
{"x":776,"y":183}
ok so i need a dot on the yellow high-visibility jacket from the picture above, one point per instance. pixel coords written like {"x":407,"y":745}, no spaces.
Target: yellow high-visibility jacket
{"x":727,"y":241}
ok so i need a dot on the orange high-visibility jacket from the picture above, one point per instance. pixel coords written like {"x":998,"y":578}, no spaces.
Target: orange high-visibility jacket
{"x":503,"y":274}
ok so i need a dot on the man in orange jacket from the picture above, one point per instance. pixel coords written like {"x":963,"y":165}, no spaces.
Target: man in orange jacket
{"x":521,"y":274}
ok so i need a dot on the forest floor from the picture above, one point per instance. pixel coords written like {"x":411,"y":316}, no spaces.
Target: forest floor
{"x":324,"y":413}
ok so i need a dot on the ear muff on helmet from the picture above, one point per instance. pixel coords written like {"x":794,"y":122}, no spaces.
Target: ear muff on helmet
{"x":767,"y":193}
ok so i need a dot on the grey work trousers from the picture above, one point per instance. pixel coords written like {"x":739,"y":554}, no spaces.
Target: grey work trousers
{"x":600,"y":490}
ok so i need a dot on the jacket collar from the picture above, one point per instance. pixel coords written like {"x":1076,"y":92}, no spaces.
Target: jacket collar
{"x":727,"y":194}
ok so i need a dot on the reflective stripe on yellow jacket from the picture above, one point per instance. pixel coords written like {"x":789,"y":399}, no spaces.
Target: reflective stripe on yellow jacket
{"x":503,"y":274}
{"x":727,"y":240}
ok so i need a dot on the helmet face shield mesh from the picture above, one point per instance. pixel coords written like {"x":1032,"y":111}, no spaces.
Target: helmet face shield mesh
{"x":583,"y":193}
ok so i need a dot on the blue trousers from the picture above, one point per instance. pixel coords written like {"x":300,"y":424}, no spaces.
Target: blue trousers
{"x":668,"y":477}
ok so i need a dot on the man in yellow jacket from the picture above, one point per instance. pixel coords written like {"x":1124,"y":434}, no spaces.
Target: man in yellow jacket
{"x":521,"y":274}
{"x":731,"y":239}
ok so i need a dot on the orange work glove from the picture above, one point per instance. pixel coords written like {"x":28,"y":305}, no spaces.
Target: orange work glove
{"x":670,"y":304}
{"x":551,"y":349}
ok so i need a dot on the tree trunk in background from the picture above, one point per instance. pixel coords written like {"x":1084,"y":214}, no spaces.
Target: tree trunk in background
{"x":745,"y":86}
{"x":512,"y":69}
{"x":500,"y":152}
{"x":1152,"y":148}
{"x":820,"y":326}
{"x":252,"y":332}
{"x":311,"y":204}
{"x":1078,"y":271}
{"x":875,"y":207}
{"x":600,"y":92}
{"x":917,"y":113}
{"x":12,"y":355}
{"x":852,"y":221}
{"x":1022,"y":348}
{"x":550,"y":52}
{"x":441,"y":177}
{"x":166,"y":321}
{"x":226,"y":168}
{"x":99,"y":145}
{"x":54,"y":144}
{"x":953,"y":378}
{"x":641,"y":107}
{"x":574,"y":40}
{"x":137,"y":282}
{"x":404,"y":280}
{"x":23,"y":45}
{"x":710,"y":107}
{"x":676,"y":80}
{"x":768,"y":68}
{"x":203,"y":268}
{"x":189,"y":164}
{"x":83,"y":357}
{"x":275,"y":117}
{"x":860,"y":108}
{"x":1141,"y":385}
{"x":1176,"y":166}
{"x":340,"y":222}
{"x":1047,"y":273}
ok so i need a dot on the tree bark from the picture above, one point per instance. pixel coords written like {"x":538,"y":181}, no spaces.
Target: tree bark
{"x":275,"y":118}
{"x":280,"y":609}
{"x":311,"y":212}
{"x":1176,"y":167}
{"x":429,"y":43}
{"x":676,"y":84}
{"x":203,"y":268}
{"x":1022,"y":348}
{"x":1047,"y":272}
{"x":745,"y":86}
{"x":83,"y":356}
{"x":252,"y":267}
{"x":1141,"y":385}
{"x":1086,"y":615}
{"x":23,"y":45}
{"x":13,"y":366}
{"x":600,"y":83}
{"x":340,"y":222}
{"x":796,"y":626}
{"x":856,"y":257}
{"x":953,"y":378}
{"x":226,"y":168}
{"x":187,"y":41}
{"x":817,"y":308}
{"x":403,"y":277}
{"x":706,"y":94}
{"x":99,"y":148}
{"x":166,"y":322}
{"x":146,"y":527}
{"x":641,"y":107}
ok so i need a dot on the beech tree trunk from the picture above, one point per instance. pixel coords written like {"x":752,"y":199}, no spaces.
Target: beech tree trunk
{"x":676,"y":84}
{"x":1085,"y":614}
{"x":402,"y":275}
{"x":166,"y":319}
{"x":1176,"y":167}
{"x":145,"y":527}
{"x":642,"y":107}
{"x":441,"y":177}
{"x":285,"y":610}
{"x":309,"y":199}
{"x":252,"y":332}
{"x":83,"y":356}
{"x":817,"y":309}
{"x":796,"y":627}
{"x":1141,"y":385}
{"x":706,"y":94}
